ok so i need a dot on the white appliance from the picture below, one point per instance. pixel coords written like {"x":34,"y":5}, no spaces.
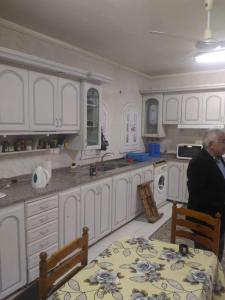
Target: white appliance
{"x":40,"y":177}
{"x":188,"y":151}
{"x":160,"y":183}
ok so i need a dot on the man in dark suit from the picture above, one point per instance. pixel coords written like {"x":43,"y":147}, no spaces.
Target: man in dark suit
{"x":206,"y":179}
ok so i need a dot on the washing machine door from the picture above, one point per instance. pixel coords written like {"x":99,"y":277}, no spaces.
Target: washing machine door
{"x":161,"y":183}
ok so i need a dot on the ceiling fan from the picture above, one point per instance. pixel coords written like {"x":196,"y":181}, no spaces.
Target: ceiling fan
{"x":208,"y":43}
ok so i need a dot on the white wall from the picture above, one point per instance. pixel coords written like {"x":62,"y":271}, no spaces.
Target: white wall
{"x":123,"y":89}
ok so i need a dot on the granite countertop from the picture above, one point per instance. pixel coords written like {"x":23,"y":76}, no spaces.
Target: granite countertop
{"x":62,"y":179}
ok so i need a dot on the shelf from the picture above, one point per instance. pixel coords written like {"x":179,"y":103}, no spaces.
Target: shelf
{"x":91,"y":105}
{"x":54,"y":150}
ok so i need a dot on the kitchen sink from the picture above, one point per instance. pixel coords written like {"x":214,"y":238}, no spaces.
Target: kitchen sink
{"x":112,"y":165}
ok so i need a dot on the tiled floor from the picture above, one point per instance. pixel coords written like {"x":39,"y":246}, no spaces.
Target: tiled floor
{"x":134,"y":228}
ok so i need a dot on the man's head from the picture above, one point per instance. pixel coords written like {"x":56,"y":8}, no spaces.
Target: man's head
{"x":214,"y":142}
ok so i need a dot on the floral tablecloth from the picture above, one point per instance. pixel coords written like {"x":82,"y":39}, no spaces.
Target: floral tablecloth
{"x":142,"y":269}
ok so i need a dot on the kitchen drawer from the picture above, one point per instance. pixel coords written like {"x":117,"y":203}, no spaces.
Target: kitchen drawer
{"x":42,"y":244}
{"x":33,"y":260}
{"x":33,"y":274}
{"x":42,"y":219}
{"x":41,"y":232}
{"x":39,"y":206}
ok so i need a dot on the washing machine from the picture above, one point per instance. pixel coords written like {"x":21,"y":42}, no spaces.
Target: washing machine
{"x":160,"y":183}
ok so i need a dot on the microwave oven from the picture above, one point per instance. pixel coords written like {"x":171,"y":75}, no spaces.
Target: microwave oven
{"x":188,"y":151}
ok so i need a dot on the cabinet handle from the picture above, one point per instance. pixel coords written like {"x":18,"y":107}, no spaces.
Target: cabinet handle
{"x":44,"y":232}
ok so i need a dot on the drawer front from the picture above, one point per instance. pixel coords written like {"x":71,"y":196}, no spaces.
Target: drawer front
{"x":42,"y":219}
{"x":40,"y":206}
{"x":41,"y":232}
{"x":43,"y":244}
{"x":33,"y":260}
{"x":33,"y":274}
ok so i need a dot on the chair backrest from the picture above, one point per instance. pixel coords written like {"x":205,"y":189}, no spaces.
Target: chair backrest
{"x":68,"y":260}
{"x":196,"y":226}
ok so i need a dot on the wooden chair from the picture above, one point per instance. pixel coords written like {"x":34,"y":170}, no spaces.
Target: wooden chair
{"x":72,"y":257}
{"x":209,"y":233}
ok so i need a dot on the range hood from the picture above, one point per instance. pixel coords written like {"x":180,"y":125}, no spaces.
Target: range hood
{"x":200,"y":126}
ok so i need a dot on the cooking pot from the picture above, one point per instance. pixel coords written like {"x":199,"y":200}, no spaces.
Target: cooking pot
{"x":40,"y":177}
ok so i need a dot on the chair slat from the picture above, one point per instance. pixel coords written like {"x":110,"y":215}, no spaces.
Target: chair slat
{"x":206,"y":230}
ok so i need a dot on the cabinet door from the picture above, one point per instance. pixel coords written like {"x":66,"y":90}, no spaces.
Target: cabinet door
{"x":68,"y":105}
{"x":12,"y":250}
{"x":121,"y":197}
{"x":191,"y":109}
{"x":104,"y":190}
{"x":213,"y":108}
{"x":152,"y":116}
{"x":171,"y":109}
{"x":43,"y":100}
{"x":14,"y":98}
{"x":90,"y":210}
{"x":92,"y":118}
{"x":130,"y":127}
{"x":69,"y":216}
{"x":135,"y":204}
{"x":175,"y":181}
{"x":148,"y":175}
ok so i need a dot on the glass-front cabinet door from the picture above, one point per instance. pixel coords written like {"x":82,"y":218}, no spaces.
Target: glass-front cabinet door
{"x":152,"y":116}
{"x":92,"y":117}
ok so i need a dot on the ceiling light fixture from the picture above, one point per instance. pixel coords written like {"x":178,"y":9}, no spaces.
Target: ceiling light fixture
{"x":211,"y":57}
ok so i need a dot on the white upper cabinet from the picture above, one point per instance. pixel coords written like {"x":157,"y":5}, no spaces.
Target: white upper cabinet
{"x":213,"y":107}
{"x":13,"y":99}
{"x":54,"y":103}
{"x":43,"y":93}
{"x":171,"y":109}
{"x":152,"y":116}
{"x":68,"y":105}
{"x":12,"y":250}
{"x":192,"y":109}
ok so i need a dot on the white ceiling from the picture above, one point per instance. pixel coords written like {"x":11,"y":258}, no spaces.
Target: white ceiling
{"x":119,"y":29}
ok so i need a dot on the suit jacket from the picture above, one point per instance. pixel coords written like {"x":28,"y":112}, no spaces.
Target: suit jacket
{"x":206,"y":186}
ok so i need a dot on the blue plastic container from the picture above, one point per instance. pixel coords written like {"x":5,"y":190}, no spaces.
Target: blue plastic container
{"x":138,"y":156}
{"x":154,"y":149}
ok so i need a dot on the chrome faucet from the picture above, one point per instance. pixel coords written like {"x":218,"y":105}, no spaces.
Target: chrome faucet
{"x":104,"y":155}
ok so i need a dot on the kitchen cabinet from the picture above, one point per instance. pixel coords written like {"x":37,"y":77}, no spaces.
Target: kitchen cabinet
{"x":54,"y":103}
{"x":12,"y":249}
{"x":171,"y":108}
{"x":41,"y":217}
{"x":14,"y":99}
{"x":203,"y":108}
{"x":68,"y":110}
{"x":96,"y":208}
{"x":152,"y":116}
{"x":120,"y":200}
{"x":213,"y":108}
{"x":148,"y":176}
{"x":69,"y":216}
{"x":177,"y":181}
{"x":135,"y":204}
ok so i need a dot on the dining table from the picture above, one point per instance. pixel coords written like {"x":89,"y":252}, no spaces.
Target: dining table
{"x":139,"y":268}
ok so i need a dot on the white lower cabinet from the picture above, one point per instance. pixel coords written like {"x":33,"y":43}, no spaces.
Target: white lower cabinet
{"x":12,"y":249}
{"x":96,"y":208}
{"x":148,"y":175}
{"x":135,"y":204}
{"x":69,"y":216}
{"x":121,"y":198}
{"x":41,"y":217}
{"x":177,"y":181}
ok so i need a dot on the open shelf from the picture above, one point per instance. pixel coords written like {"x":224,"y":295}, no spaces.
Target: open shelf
{"x":29,"y":151}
